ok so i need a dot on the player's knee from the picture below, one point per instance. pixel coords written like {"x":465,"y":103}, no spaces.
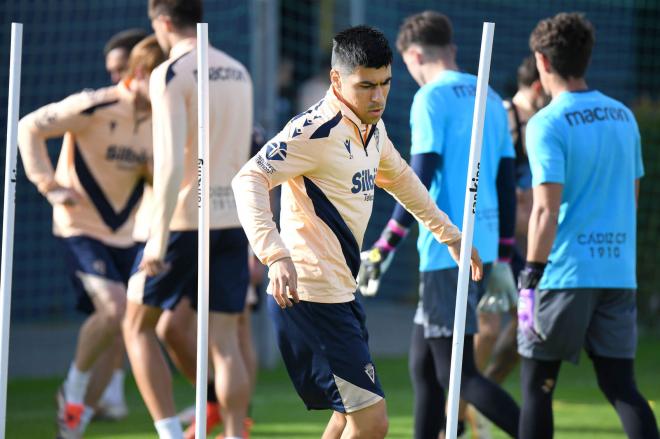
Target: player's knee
{"x":171,"y":334}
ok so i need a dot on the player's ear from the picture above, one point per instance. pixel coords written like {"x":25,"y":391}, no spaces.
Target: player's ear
{"x":542,"y":62}
{"x":335,"y":79}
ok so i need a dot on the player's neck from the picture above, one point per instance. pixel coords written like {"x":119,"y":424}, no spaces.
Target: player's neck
{"x":432,"y":70}
{"x":181,"y":34}
{"x":560,"y":85}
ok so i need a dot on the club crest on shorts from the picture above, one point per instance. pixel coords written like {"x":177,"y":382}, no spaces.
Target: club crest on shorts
{"x":276,"y":151}
{"x":371,"y":372}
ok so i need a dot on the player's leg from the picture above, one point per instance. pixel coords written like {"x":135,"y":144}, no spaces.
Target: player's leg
{"x":487,"y":397}
{"x":505,"y":353}
{"x":367,"y":423}
{"x":93,"y":272}
{"x":103,"y":371}
{"x":562,"y":317}
{"x":148,"y":297}
{"x":325,"y":350}
{"x":335,"y":426}
{"x":232,"y":380}
{"x":486,"y":338}
{"x":611,"y":343}
{"x":428,"y":394}
{"x":151,"y":372}
{"x":229,"y":279}
{"x":538,"y":379}
{"x":177,"y":330}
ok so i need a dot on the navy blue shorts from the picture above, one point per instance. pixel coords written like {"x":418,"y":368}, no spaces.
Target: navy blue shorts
{"x":90,"y":256}
{"x":228,"y":273}
{"x":326,"y":352}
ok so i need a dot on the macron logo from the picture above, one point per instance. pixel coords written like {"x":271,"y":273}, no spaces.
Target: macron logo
{"x":276,"y":151}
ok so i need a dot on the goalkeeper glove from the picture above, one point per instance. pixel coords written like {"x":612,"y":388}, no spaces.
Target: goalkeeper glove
{"x":376,"y":260}
{"x":529,"y":278}
{"x":501,"y":293}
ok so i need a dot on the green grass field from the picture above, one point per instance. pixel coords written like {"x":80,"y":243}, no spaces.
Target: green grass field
{"x":580,"y":410}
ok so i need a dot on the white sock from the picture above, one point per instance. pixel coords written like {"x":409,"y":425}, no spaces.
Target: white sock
{"x":232,"y":437}
{"x":169,"y":428}
{"x":75,"y":385}
{"x":114,"y":392}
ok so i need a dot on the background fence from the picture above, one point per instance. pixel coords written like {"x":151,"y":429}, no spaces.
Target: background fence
{"x":286,"y":46}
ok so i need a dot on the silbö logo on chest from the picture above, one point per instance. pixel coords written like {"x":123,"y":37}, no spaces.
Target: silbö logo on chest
{"x":364,"y":181}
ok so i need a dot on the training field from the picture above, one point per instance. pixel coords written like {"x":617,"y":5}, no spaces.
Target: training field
{"x":580,"y":410}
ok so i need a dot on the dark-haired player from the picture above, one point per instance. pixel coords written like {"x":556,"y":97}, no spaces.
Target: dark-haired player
{"x":578,"y":287}
{"x":329,"y":160}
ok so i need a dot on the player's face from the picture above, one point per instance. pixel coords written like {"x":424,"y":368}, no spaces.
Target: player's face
{"x":364,"y":90}
{"x":116,"y":62}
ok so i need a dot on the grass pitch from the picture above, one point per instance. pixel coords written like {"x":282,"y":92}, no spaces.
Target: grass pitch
{"x":581,"y":412}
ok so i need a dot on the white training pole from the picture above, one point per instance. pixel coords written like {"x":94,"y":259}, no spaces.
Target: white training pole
{"x":9,"y":207}
{"x":468,"y":228}
{"x":203,"y":231}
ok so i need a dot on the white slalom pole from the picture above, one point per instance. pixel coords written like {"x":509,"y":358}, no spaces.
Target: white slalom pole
{"x":9,"y":207}
{"x":468,"y":228}
{"x":203,"y":231}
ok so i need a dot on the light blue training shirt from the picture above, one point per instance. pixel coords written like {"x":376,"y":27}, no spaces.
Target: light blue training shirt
{"x":441,"y":123}
{"x":590,"y":143}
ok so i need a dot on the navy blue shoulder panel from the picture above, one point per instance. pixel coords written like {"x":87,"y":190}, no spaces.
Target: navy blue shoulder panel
{"x":329,"y":214}
{"x":89,"y":111}
{"x":324,"y":130}
{"x":114,"y":220}
{"x":170,"y":69}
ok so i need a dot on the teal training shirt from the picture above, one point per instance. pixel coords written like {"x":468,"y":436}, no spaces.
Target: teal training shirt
{"x":589,"y":143}
{"x":441,"y":122}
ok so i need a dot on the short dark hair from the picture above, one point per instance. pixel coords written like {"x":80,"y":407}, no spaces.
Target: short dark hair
{"x":428,"y":28}
{"x":360,"y":46}
{"x":126,"y":39}
{"x":183,"y":13}
{"x":527,"y":72}
{"x":566,"y":40}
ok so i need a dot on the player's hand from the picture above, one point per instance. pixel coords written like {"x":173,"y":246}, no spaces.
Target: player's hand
{"x":501,"y":292}
{"x":283,"y":277}
{"x":63,"y":196}
{"x":528,"y":302}
{"x":476,"y":265}
{"x":153,"y":266}
{"x":374,"y":263}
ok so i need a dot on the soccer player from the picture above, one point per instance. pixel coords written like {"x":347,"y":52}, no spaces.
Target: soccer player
{"x":441,"y":122}
{"x":329,"y":160}
{"x":117,"y":49}
{"x":166,"y":268}
{"x":578,"y":287}
{"x":97,"y":184}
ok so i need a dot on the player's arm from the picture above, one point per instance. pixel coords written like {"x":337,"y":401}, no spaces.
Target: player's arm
{"x":547,"y":161}
{"x":377,"y":259}
{"x":168,"y":104}
{"x":50,"y":121}
{"x":396,"y":177}
{"x":278,"y":161}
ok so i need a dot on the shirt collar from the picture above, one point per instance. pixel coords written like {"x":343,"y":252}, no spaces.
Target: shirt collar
{"x":338,"y":105}
{"x":183,"y":46}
